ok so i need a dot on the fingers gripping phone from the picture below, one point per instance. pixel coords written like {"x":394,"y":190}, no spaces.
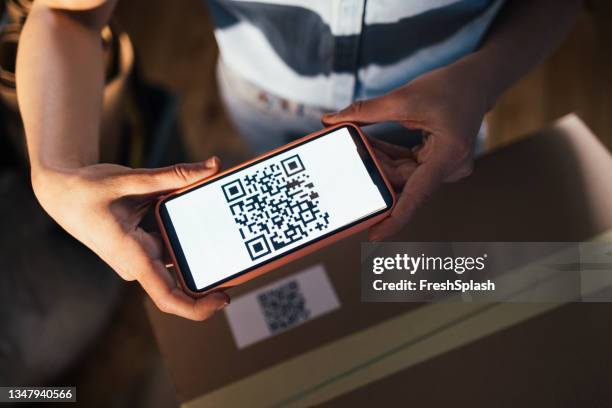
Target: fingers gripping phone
{"x":255,"y":217}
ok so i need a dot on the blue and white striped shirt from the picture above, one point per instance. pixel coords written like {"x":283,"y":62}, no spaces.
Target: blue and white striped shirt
{"x":328,"y":53}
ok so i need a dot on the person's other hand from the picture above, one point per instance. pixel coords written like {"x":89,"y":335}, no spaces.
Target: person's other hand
{"x":449,"y":109}
{"x":102,"y":205}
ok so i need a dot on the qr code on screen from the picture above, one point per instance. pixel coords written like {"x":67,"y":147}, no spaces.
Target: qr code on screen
{"x":283,"y":307}
{"x":275,"y":206}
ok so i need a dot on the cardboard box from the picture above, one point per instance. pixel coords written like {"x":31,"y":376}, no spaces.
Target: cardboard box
{"x":553,"y":186}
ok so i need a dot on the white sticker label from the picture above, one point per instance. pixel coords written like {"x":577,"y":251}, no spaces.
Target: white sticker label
{"x":281,"y":305}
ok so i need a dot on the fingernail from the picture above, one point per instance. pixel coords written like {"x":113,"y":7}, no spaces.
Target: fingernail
{"x":212,"y":162}
{"x":226,"y":299}
{"x":329,"y":115}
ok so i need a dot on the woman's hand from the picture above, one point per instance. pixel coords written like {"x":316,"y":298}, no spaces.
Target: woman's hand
{"x":102,"y":205}
{"x":448,"y":106}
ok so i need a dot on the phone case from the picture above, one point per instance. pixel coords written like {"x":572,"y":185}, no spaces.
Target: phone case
{"x":293,"y":255}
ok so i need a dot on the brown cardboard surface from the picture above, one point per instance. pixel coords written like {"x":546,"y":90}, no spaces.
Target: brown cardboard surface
{"x":198,"y":346}
{"x":558,"y":359}
{"x":554,"y":186}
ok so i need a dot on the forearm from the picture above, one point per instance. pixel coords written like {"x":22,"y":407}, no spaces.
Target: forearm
{"x":60,"y":86}
{"x":523,"y":35}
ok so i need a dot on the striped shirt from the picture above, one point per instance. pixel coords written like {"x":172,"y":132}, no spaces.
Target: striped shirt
{"x":328,"y":53}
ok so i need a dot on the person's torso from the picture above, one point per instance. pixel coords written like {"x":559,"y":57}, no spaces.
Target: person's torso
{"x":327,"y":53}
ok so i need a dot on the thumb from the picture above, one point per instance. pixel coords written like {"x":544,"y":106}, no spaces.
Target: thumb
{"x":173,"y":177}
{"x":364,"y":112}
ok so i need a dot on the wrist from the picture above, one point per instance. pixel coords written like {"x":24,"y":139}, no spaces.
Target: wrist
{"x":57,"y":158}
{"x":484,"y":77}
{"x":49,"y":180}
{"x":45,"y":168}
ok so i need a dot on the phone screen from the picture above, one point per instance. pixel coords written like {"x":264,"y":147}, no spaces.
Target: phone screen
{"x":233,"y":224}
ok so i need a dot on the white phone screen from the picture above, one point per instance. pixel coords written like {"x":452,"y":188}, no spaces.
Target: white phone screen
{"x":267,"y":209}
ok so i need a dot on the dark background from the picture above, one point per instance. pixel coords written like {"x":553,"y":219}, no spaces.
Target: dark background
{"x":176,"y":48}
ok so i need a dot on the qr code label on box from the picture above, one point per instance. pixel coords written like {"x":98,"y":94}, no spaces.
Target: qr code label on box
{"x":283,"y":307}
{"x":275,"y":206}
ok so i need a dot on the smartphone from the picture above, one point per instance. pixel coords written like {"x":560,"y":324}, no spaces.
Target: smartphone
{"x":253,"y":218}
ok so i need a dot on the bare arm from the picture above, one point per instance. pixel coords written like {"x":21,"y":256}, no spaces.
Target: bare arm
{"x":60,"y":88}
{"x":524,"y":34}
{"x":449,"y":103}
{"x":60,"y":83}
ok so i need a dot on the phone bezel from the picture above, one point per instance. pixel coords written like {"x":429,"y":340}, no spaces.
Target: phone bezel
{"x":183,"y":266}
